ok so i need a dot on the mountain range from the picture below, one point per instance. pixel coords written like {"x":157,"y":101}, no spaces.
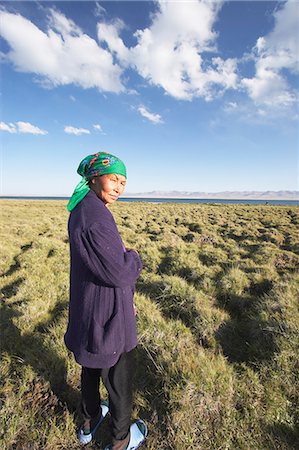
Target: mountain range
{"x":249,"y":195}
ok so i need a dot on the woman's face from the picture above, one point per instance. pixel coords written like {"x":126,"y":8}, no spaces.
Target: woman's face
{"x":108,"y":187}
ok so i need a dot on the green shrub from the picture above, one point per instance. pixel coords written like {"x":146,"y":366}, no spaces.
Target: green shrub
{"x":234,"y":282}
{"x":195,"y":227}
{"x":210,"y":255}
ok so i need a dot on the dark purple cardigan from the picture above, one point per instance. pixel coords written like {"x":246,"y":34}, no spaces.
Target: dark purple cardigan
{"x":102,"y":322}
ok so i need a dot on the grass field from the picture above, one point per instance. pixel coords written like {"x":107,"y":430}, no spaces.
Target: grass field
{"x":218,"y":321}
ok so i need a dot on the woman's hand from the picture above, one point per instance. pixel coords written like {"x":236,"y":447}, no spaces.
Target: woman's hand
{"x":131,"y":250}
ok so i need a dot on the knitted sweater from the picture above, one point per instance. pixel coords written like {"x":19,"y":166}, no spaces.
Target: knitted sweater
{"x":103,"y":273}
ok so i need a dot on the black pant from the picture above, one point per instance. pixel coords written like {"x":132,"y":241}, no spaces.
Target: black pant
{"x":118,"y":382}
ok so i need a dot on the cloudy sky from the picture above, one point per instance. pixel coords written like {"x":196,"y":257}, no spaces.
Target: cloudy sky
{"x":192,"y":95}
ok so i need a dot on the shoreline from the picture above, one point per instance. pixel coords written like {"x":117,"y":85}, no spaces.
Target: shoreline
{"x":144,"y":197}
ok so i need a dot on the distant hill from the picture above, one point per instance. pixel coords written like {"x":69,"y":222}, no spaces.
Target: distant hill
{"x":249,"y":195}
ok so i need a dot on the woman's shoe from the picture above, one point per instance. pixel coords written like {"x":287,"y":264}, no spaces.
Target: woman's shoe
{"x":86,"y":438}
{"x":138,"y":433}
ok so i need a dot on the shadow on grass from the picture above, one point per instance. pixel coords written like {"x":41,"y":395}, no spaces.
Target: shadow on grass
{"x":172,"y":308}
{"x":55,"y":313}
{"x":149,"y":384}
{"x":30,"y":347}
{"x":10,"y":289}
{"x":245,"y":337}
{"x":284,"y":435}
{"x":16,"y":264}
{"x":167,"y":267}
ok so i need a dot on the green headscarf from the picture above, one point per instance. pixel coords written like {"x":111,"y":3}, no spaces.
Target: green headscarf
{"x":98,"y":164}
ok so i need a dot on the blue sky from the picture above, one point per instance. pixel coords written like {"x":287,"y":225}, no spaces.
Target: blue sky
{"x":192,"y":95}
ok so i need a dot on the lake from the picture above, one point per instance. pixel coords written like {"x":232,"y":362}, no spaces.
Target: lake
{"x":177,"y":200}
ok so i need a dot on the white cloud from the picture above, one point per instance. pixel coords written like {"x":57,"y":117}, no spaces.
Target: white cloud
{"x":72,"y":98}
{"x":26,"y":127}
{"x":269,"y":88}
{"x":154,"y":118}
{"x":262,"y":112}
{"x":22,"y":127}
{"x":62,"y":55}
{"x":59,"y":23}
{"x":177,"y":52}
{"x":169,"y":53}
{"x":274,"y":54}
{"x":9,"y":127}
{"x":109,"y":33}
{"x":76,"y":131}
{"x":100,"y":11}
{"x":98,"y":127}
{"x":230,"y":106}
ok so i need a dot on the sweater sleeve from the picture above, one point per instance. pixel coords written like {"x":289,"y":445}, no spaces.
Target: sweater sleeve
{"x":103,"y":254}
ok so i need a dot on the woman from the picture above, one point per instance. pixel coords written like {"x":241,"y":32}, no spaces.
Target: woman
{"x":101,"y":329}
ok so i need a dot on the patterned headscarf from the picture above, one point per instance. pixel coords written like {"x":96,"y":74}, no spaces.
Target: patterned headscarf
{"x":94,"y":165}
